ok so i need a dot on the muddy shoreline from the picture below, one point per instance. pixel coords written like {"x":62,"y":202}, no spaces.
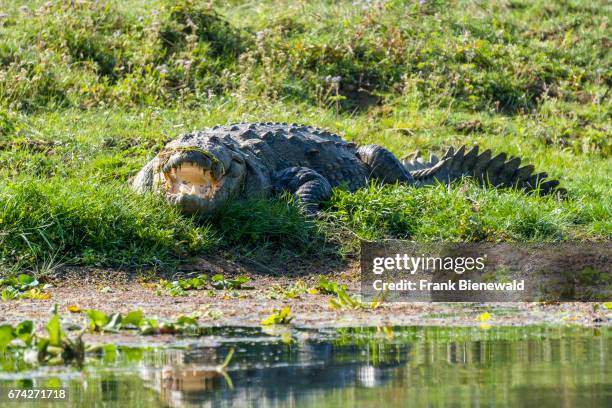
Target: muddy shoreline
{"x":120,"y":291}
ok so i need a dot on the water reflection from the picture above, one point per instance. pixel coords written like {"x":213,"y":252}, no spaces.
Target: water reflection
{"x":391,"y":367}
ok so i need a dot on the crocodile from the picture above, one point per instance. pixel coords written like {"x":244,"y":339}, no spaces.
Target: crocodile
{"x":200,"y":171}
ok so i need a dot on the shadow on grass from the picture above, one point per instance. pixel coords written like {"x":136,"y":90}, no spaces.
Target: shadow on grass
{"x":273,"y":236}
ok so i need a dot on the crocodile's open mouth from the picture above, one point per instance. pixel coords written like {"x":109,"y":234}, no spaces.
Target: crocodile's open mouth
{"x":190,"y":179}
{"x":191,"y":175}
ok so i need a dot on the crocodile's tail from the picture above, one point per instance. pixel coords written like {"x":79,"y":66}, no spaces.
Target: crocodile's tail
{"x":496,"y":171}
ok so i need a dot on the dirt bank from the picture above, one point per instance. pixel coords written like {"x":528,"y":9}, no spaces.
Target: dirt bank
{"x":117,"y":291}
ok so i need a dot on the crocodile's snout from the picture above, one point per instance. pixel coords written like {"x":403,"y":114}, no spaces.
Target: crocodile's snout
{"x":192,"y":179}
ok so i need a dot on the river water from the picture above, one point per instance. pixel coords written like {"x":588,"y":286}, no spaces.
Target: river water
{"x":528,"y":366}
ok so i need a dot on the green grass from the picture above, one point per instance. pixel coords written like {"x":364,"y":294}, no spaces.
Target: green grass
{"x":466,"y":212}
{"x":94,"y":223}
{"x":90,"y":91}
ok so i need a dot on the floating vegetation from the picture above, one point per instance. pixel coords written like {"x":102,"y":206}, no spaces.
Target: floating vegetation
{"x":278,"y":316}
{"x":295,"y":291}
{"x":343,"y":299}
{"x":135,"y":320}
{"x":181,"y":286}
{"x":483,"y":317}
{"x":22,"y":286}
{"x":220,"y":282}
{"x":56,"y":348}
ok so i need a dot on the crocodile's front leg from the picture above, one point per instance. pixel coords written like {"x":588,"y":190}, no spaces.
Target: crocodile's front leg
{"x":308,"y":186}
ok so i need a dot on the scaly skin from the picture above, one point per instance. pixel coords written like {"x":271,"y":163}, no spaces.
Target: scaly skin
{"x":200,"y":171}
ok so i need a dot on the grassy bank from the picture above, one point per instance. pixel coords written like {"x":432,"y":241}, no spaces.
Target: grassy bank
{"x":90,"y":91}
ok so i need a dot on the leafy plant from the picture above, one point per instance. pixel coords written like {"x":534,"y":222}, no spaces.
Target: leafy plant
{"x":279,"y":316}
{"x":21,"y":286}
{"x":133,"y":319}
{"x":293,"y":292}
{"x":57,"y":348}
{"x":484,"y":317}
{"x":100,"y":321}
{"x":343,"y":299}
{"x":23,"y":331}
{"x":220,"y":282}
{"x":54,"y":349}
{"x":184,"y":325}
{"x":326,"y":286}
{"x":181,"y":286}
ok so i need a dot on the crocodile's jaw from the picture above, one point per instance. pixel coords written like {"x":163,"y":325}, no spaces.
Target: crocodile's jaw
{"x":194,"y":189}
{"x":191,"y":179}
{"x":194,"y":180}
